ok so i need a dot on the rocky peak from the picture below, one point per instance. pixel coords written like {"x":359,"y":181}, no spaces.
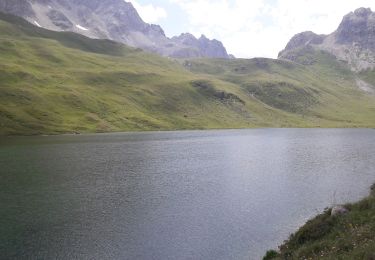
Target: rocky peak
{"x":303,"y":39}
{"x":204,"y":46}
{"x":203,"y":38}
{"x":212,"y":48}
{"x":186,"y":38}
{"x":364,"y":12}
{"x":357,"y":27}
{"x":353,"y":41}
{"x":17,"y":7}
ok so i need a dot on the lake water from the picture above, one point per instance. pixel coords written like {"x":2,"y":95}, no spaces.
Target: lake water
{"x":174,"y":195}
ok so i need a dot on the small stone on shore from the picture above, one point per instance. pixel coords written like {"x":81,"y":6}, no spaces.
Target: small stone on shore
{"x":339,"y":210}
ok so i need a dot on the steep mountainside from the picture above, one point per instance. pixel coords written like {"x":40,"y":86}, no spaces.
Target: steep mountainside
{"x":353,"y":42}
{"x":62,"y":82}
{"x":112,"y":19}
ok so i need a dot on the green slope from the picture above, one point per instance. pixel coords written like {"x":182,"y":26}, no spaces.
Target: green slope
{"x":323,"y":93}
{"x":53,"y":82}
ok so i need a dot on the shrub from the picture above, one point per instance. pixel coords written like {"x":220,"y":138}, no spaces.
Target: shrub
{"x":271,"y":254}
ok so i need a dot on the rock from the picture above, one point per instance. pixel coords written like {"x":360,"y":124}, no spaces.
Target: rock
{"x":17,"y":7}
{"x":212,"y":48}
{"x":339,"y":210}
{"x":358,"y":28}
{"x":59,"y":19}
{"x":304,"y":39}
{"x":202,"y":47}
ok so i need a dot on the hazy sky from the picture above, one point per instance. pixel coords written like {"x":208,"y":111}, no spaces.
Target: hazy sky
{"x":248,"y":28}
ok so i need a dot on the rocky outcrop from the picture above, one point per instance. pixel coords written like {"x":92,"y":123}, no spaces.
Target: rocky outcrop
{"x":353,"y":41}
{"x":112,"y":19}
{"x":203,"y":46}
{"x":17,"y":7}
{"x":357,"y":27}
{"x":302,"y":40}
{"x":212,"y":48}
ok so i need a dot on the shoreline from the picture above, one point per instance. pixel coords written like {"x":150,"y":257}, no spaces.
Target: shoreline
{"x":349,"y":234}
{"x":175,"y":130}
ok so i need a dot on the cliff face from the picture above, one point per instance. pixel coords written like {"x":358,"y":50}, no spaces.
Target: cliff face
{"x":357,"y":27}
{"x":303,"y":39}
{"x":113,"y":19}
{"x":17,"y":7}
{"x":353,"y":41}
{"x":205,"y":47}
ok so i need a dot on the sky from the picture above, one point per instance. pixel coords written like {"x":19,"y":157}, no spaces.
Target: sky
{"x":248,"y":28}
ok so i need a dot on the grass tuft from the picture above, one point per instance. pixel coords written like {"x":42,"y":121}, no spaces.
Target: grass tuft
{"x":349,"y":236}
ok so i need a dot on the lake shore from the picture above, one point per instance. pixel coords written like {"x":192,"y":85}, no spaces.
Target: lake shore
{"x":328,"y":236}
{"x":165,"y":130}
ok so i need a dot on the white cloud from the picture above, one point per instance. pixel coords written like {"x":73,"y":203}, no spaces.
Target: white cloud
{"x":149,"y":13}
{"x":250,"y":28}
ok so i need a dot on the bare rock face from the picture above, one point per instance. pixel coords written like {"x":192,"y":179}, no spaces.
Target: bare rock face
{"x":17,"y":7}
{"x":301,"y":40}
{"x":359,"y":28}
{"x":353,"y":41}
{"x":203,"y":47}
{"x":111,"y":19}
{"x":212,"y":48}
{"x":304,"y":39}
{"x":59,"y":19}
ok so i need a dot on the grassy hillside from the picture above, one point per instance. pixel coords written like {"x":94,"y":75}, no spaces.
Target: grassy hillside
{"x":349,"y":236}
{"x":59,"y":82}
{"x":323,"y":93}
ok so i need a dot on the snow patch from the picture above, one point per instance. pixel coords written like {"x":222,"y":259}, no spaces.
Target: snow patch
{"x":366,"y":87}
{"x":81,"y":27}
{"x":37,"y":24}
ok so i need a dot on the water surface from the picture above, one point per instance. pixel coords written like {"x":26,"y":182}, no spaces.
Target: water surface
{"x":174,"y":195}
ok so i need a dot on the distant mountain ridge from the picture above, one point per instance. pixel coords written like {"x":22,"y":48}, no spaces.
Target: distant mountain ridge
{"x":63,"y":82}
{"x":112,"y":19}
{"x":353,"y":42}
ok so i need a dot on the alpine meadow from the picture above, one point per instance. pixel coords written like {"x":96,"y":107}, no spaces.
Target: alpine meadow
{"x":61,"y":82}
{"x":187,"y":129}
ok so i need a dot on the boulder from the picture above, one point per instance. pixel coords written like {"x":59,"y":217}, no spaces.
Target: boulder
{"x":339,"y":210}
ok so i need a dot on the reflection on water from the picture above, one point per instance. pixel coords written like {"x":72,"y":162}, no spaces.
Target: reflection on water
{"x":173,"y":195}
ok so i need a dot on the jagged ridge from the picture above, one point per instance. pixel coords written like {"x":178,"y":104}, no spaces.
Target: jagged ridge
{"x":113,"y":19}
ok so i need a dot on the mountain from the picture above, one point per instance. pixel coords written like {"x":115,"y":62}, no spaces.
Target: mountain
{"x":353,"y":42}
{"x":62,"y":82}
{"x":111,"y":19}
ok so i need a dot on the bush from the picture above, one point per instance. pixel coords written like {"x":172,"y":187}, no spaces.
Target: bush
{"x":271,"y":254}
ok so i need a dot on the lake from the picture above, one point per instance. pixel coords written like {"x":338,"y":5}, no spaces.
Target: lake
{"x":230,"y":194}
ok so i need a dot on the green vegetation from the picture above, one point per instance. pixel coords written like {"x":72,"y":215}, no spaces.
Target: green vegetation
{"x":271,"y":254}
{"x":348,"y":236}
{"x":320,"y":94}
{"x":59,"y":82}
